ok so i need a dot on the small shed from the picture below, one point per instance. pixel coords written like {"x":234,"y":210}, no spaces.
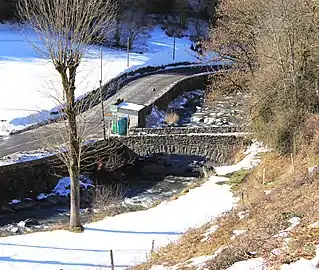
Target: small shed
{"x":135,"y":112}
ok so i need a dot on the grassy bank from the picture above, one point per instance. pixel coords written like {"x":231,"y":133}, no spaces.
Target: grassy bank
{"x":276,"y":218}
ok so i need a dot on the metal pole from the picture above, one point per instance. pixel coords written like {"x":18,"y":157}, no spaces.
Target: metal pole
{"x":128,"y":52}
{"x":112,"y":259}
{"x":101,"y":97}
{"x":153,"y":246}
{"x":174,"y":45}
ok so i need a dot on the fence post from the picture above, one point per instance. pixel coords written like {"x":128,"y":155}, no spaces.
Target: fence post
{"x":112,"y":259}
{"x":292,"y":162}
{"x":264,"y":175}
{"x":153,"y":245}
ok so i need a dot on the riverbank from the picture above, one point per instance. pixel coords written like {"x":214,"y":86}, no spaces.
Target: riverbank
{"x":275,"y":224}
{"x":154,"y":179}
{"x":129,"y":235}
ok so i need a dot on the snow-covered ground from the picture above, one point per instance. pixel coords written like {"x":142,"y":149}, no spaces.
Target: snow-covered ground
{"x":28,"y":80}
{"x":194,"y":110}
{"x":129,"y":235}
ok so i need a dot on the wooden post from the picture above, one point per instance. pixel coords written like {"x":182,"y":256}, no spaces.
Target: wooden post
{"x":153,"y":246}
{"x":264,"y":175}
{"x":112,"y":259}
{"x":292,"y":162}
{"x":128,"y":52}
{"x":101,"y":98}
{"x":174,"y":48}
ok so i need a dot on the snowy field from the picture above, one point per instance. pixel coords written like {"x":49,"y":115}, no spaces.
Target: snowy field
{"x":129,"y":235}
{"x":28,"y":80}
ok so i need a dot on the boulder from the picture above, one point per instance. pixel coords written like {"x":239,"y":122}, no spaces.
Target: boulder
{"x":21,"y":224}
{"x":23,"y":205}
{"x":54,"y":199}
{"x":7,"y":209}
{"x":13,"y":229}
{"x":31,"y":222}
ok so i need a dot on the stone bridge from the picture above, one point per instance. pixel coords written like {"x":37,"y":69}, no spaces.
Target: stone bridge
{"x":186,"y":130}
{"x":217,"y":147}
{"x":27,"y":179}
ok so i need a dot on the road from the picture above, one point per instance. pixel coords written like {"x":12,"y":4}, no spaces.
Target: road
{"x":139,"y":91}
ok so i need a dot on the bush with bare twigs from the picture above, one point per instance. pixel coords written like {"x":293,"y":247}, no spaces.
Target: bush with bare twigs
{"x":108,"y":198}
{"x":171,"y":118}
{"x":274,"y":52}
{"x":108,"y":201}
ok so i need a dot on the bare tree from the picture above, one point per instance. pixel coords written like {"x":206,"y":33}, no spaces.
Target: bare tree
{"x":134,"y":22}
{"x":67,"y":28}
{"x":273,"y":45}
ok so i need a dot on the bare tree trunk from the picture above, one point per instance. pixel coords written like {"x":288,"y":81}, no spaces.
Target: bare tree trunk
{"x":117,"y":31}
{"x":75,"y":196}
{"x":74,"y":172}
{"x":74,"y":146}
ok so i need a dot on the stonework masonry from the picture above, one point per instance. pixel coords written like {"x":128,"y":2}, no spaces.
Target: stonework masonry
{"x":184,"y":130}
{"x":217,"y":148}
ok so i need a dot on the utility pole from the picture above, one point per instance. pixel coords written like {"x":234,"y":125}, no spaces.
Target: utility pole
{"x":101,"y":97}
{"x":174,"y":45}
{"x":128,"y":51}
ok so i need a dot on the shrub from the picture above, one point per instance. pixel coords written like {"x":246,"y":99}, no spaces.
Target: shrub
{"x":237,"y":178}
{"x":171,"y":118}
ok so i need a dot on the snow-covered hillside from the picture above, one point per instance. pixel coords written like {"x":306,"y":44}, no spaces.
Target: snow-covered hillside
{"x":129,"y":235}
{"x":28,"y":81}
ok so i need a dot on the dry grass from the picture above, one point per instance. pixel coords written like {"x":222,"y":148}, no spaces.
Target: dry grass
{"x":188,"y":188}
{"x":171,"y":118}
{"x":294,"y":193}
{"x":107,"y":201}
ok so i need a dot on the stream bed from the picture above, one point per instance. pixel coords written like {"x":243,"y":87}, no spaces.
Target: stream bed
{"x":157,"y":179}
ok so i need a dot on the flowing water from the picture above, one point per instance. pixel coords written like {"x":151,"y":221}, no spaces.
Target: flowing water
{"x":141,"y":191}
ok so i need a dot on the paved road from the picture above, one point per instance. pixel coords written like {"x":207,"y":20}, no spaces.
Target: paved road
{"x":139,"y":91}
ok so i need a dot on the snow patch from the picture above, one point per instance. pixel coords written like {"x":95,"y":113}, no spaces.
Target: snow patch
{"x":15,"y":201}
{"x":251,"y":264}
{"x":294,"y":221}
{"x":237,"y":233}
{"x":24,"y":157}
{"x":251,"y":160}
{"x":242,"y":214}
{"x":314,"y":225}
{"x":313,"y":170}
{"x":208,"y":232}
{"x":267,"y":192}
{"x":155,"y":118}
{"x":62,"y":188}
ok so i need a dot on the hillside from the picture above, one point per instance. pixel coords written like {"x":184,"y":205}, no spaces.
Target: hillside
{"x":274,"y":225}
{"x":131,"y":236}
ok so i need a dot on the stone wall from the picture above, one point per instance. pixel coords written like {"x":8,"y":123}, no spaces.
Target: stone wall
{"x":217,"y":148}
{"x":184,"y":130}
{"x":198,"y":81}
{"x":29,"y":179}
